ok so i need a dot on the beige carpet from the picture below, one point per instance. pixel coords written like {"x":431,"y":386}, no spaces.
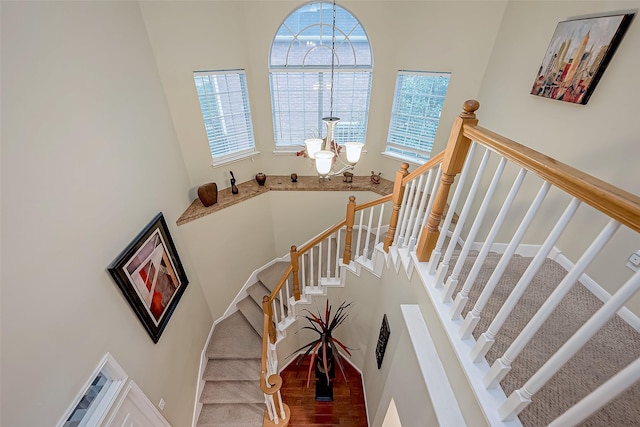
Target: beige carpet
{"x":611,"y":349}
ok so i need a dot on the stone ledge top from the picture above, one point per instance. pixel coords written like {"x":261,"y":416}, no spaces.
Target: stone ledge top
{"x":250,"y":189}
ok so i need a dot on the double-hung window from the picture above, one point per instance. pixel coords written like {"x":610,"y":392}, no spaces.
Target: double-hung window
{"x":224,"y":102}
{"x":415,"y":114}
{"x":301,"y":78}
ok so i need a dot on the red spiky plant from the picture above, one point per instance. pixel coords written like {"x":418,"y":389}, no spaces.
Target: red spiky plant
{"x":325,"y":327}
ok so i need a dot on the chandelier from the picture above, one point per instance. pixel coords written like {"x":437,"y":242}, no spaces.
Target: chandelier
{"x":326,"y":152}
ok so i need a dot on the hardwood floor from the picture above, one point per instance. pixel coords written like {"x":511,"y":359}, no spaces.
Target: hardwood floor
{"x":347,"y":408}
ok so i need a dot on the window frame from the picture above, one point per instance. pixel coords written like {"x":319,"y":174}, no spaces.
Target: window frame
{"x":396,"y":150}
{"x":99,"y":406}
{"x":244,"y":147}
{"x":351,"y":61}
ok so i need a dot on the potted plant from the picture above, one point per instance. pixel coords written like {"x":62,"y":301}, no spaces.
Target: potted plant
{"x":325,"y":347}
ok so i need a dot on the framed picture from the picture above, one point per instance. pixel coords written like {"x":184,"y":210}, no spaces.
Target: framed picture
{"x":577,"y":56}
{"x":150,"y":275}
{"x":383,"y":338}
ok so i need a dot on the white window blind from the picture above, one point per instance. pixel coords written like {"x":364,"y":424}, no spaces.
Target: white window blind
{"x":301,"y":99}
{"x":415,"y":115}
{"x":224,"y":102}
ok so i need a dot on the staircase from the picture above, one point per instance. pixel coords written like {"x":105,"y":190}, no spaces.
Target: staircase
{"x":231,"y":395}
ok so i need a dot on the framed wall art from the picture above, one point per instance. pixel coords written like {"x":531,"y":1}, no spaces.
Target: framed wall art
{"x":151,"y":277}
{"x":577,"y":57}
{"x":383,"y":339}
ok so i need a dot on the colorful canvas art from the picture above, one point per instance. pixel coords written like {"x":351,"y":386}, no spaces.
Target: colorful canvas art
{"x":577,"y":56}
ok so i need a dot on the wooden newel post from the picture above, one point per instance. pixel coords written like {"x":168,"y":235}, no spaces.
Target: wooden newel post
{"x":351,"y":216}
{"x":454,"y":157}
{"x":268,"y":312}
{"x":398,"y":194}
{"x":295,"y":266}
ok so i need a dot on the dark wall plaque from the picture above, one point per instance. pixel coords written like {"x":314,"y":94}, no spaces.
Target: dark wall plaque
{"x":383,"y":338}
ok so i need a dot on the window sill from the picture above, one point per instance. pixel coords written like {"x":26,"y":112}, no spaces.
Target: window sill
{"x":395,"y":156}
{"x":250,"y":189}
{"x":234,"y":158}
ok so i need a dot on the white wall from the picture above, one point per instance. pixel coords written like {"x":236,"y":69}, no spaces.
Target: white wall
{"x":599,"y":138}
{"x":89,"y":156}
{"x":423,"y":35}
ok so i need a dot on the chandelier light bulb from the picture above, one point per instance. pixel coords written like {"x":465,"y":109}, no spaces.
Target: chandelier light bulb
{"x":324,"y":161}
{"x":354,"y":149}
{"x":313,"y":146}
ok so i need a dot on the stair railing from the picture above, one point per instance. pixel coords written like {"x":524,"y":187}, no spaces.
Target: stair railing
{"x":472,"y":149}
{"x":313,"y":267}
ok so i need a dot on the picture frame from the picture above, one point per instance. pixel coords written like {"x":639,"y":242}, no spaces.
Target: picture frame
{"x":151,"y":277}
{"x":383,"y":339}
{"x":578,"y":54}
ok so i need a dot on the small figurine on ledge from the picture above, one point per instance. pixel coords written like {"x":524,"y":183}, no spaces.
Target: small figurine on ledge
{"x":375,"y":179}
{"x":294,"y":177}
{"x":348,"y":177}
{"x":234,"y":189}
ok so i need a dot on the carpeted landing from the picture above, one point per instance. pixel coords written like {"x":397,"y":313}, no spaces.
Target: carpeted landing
{"x":232,"y":396}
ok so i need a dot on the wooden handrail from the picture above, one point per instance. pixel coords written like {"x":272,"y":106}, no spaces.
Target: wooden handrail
{"x":321,"y":237}
{"x":614,"y":202}
{"x":375,"y":202}
{"x":426,"y":167}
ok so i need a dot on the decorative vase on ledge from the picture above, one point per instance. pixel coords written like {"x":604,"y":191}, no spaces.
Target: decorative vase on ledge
{"x":261,"y":178}
{"x":208,"y":194}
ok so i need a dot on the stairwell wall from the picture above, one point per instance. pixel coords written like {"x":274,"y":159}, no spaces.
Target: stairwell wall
{"x":89,"y":157}
{"x":399,"y":376}
{"x":599,"y":138}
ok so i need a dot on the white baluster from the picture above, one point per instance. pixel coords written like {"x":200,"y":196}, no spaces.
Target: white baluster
{"x":282,"y":316}
{"x":519,"y":399}
{"x":600,"y":396}
{"x":281,"y":406}
{"x":303,"y":268}
{"x":452,"y":281}
{"x":319,"y":262}
{"x":495,"y":375}
{"x":421,"y":215}
{"x":365,"y":251}
{"x":486,"y":340}
{"x":403,"y":207}
{"x":406,"y":214}
{"x":358,"y":252}
{"x":338,"y":247}
{"x":379,"y":225}
{"x":473,"y":316}
{"x":288,"y":305}
{"x":268,"y":400}
{"x":425,"y":218}
{"x":329,"y":256}
{"x":311,"y":282}
{"x":275,"y":312}
{"x":418,"y":195}
{"x":463,"y":296}
{"x":437,"y":252}
{"x":444,"y":265}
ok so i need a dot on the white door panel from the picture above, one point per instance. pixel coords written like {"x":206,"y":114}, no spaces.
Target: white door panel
{"x":134,"y":409}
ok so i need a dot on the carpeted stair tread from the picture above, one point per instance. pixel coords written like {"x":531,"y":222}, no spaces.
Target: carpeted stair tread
{"x":234,"y":338}
{"x":257,"y":291}
{"x":271,"y":275}
{"x":232,"y":392}
{"x":231,"y":415}
{"x":232,"y":369}
{"x":253,"y":313}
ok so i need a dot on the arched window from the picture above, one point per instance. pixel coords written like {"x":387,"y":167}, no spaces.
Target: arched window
{"x":300,"y":75}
